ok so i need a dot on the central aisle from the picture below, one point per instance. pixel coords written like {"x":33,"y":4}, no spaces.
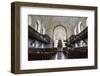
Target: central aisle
{"x":60,"y":56}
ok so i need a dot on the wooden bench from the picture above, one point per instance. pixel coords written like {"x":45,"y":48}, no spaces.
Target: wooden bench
{"x":80,"y":52}
{"x":41,"y":53}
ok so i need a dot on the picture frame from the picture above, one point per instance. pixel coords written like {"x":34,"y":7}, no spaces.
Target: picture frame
{"x":18,"y":12}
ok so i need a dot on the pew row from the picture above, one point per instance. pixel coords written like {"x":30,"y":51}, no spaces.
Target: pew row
{"x":41,"y":53}
{"x":76,"y":53}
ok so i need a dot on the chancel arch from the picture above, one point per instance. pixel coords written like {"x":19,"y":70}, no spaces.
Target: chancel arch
{"x":59,"y":33}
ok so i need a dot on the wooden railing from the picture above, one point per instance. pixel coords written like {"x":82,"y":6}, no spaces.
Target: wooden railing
{"x":33,"y":34}
{"x":77,"y":38}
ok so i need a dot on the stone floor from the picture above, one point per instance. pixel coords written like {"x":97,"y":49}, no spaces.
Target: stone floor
{"x":59,"y":56}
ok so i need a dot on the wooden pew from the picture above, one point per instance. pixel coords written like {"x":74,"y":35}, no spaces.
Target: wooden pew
{"x":75,"y":53}
{"x":41,"y":53}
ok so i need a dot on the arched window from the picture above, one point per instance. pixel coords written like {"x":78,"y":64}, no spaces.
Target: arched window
{"x":43,"y":31}
{"x":59,"y":34}
{"x":80,"y":27}
{"x":75,"y":31}
{"x":38,"y":26}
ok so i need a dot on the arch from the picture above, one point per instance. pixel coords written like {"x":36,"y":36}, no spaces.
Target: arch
{"x":75,"y":31}
{"x":38,"y":26}
{"x":43,"y":30}
{"x":59,"y":33}
{"x":80,"y":27}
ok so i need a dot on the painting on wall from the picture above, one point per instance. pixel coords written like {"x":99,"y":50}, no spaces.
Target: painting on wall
{"x":52,"y":37}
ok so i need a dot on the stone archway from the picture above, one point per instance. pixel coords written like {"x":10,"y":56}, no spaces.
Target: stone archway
{"x":59,"y":33}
